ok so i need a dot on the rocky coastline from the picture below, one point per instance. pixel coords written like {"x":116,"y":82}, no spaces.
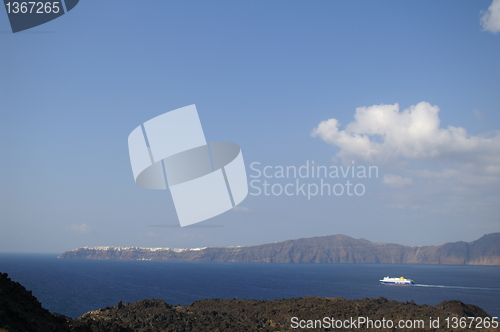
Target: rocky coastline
{"x":20,"y":311}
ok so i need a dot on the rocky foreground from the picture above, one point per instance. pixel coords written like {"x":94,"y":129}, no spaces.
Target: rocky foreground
{"x":333,"y":249}
{"x":21,"y":311}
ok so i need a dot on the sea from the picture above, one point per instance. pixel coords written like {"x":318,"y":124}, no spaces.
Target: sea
{"x":74,"y":286}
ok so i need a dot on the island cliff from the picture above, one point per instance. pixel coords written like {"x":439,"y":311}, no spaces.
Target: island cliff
{"x":334,"y":249}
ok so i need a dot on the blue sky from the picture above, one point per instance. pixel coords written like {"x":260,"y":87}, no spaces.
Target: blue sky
{"x":410,"y":87}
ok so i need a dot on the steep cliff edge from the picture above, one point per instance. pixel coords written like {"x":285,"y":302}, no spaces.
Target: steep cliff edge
{"x":21,"y":311}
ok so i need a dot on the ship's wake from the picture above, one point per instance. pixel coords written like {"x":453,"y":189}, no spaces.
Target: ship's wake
{"x":460,"y":287}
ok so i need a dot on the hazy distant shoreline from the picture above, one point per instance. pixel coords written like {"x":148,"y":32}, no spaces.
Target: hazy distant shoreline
{"x":333,"y":249}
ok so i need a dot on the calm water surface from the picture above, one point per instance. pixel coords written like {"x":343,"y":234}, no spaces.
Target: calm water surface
{"x":73,"y":287}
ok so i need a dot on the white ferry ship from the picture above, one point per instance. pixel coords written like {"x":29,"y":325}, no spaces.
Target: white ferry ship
{"x":397,"y":281}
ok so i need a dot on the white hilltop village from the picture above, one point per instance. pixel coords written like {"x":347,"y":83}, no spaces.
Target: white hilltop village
{"x":140,"y":253}
{"x":139,"y":248}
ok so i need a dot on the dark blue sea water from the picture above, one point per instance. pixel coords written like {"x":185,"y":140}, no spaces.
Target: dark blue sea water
{"x":73,"y":287}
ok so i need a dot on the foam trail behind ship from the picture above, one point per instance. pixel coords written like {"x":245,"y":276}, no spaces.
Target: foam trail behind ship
{"x":460,"y":287}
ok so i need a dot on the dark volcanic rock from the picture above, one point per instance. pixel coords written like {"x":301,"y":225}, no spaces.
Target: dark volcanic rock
{"x":276,"y":315}
{"x":461,"y":309}
{"x":21,"y":311}
{"x":326,"y":249}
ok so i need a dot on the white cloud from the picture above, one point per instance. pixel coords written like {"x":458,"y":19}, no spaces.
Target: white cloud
{"x":241,"y":209}
{"x":450,"y":164}
{"x":397,"y":181}
{"x":83,"y":228}
{"x":491,"y":17}
{"x":478,"y":114}
{"x":383,"y":134}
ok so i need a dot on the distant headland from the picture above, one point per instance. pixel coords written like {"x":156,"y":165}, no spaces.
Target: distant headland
{"x":333,"y":249}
